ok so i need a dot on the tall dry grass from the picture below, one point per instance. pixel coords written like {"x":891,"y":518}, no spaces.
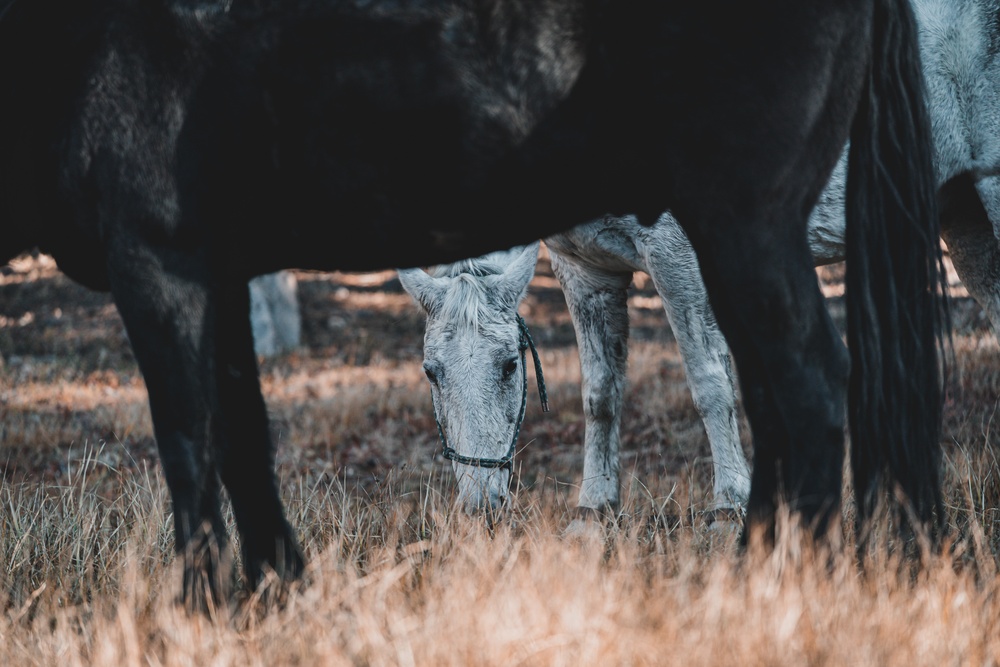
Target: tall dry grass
{"x":88,"y":576}
{"x":402,"y":580}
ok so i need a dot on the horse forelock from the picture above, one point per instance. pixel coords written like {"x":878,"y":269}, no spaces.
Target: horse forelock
{"x":469,"y":301}
{"x":479,"y":268}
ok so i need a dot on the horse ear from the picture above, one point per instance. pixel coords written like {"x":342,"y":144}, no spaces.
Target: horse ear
{"x":514,"y":282}
{"x":426,"y":290}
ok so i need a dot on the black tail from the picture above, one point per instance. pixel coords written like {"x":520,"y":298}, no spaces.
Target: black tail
{"x":896,"y":312}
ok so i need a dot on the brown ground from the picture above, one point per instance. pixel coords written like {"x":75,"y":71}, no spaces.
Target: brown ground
{"x":352,"y":403}
{"x":69,"y":381}
{"x":87,"y":574}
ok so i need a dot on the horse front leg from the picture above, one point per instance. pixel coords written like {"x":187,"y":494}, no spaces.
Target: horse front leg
{"x":164,"y":303}
{"x":243,"y":445}
{"x":673,"y":266}
{"x":192,"y":340}
{"x":598,"y":307}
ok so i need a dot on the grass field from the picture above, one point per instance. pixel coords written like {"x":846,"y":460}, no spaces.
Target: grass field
{"x":87,"y":574}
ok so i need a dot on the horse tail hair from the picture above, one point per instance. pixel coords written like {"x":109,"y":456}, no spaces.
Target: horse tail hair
{"x":896,"y":313}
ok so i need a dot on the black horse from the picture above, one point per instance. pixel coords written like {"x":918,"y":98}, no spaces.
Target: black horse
{"x":169,"y":150}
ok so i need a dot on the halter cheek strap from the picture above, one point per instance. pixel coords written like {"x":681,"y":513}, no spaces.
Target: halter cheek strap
{"x":506,"y":462}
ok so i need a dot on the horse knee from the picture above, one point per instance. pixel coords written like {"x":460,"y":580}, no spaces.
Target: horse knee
{"x":712,"y":385}
{"x":713,"y":398}
{"x":601,"y":406}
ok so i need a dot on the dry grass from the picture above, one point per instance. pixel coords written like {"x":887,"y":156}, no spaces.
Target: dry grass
{"x":87,"y":574}
{"x":399,"y":579}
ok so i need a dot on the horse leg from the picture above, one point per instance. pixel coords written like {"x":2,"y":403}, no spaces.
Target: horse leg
{"x":792,"y":364}
{"x":164,"y":310}
{"x":672,"y":265}
{"x":598,"y":306}
{"x":243,"y":447}
{"x":967,"y":211}
{"x":746,"y":217}
{"x":195,"y":349}
{"x":274,"y":313}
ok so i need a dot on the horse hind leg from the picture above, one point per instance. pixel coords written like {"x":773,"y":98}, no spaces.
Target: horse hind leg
{"x":970,"y":216}
{"x":792,"y":364}
{"x":598,"y":307}
{"x":745,"y":211}
{"x":673,"y":266}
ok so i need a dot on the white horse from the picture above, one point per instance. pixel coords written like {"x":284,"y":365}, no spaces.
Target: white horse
{"x":958,"y":48}
{"x":474,"y":359}
{"x":473,"y":353}
{"x":595,"y":264}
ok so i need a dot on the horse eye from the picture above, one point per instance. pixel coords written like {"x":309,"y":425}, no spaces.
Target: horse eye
{"x":509,"y":368}
{"x":430,"y":375}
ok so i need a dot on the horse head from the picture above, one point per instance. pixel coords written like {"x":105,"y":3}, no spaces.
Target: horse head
{"x":474,"y":358}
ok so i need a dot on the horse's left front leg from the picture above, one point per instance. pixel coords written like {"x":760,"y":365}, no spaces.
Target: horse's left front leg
{"x":164,"y":301}
{"x":598,"y":306}
{"x":190,"y":329}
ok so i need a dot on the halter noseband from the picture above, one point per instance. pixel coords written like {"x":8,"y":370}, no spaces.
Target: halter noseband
{"x":507,"y":461}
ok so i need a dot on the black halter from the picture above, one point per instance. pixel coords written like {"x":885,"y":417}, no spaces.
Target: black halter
{"x":507,"y":461}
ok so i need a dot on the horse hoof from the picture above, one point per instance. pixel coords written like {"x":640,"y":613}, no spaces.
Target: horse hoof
{"x":584,"y":531}
{"x":589,"y":525}
{"x":723,"y":526}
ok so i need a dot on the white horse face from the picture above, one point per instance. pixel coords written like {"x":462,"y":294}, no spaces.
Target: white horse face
{"x":476,"y":385}
{"x":473,"y":360}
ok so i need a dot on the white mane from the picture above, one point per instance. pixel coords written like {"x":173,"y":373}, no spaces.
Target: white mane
{"x":469,"y":300}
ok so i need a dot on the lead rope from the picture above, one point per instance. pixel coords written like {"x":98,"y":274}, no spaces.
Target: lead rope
{"x":507,"y":461}
{"x":539,"y":378}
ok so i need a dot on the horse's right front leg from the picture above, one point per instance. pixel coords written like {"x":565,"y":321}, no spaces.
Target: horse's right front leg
{"x":792,"y":363}
{"x":163,"y":301}
{"x":673,"y":266}
{"x":598,"y":306}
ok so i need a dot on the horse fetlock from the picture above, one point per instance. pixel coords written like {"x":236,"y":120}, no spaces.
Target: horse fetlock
{"x":599,"y":495}
{"x":584,"y":531}
{"x":278,"y":553}
{"x":722,"y":531}
{"x":208,"y":570}
{"x":591,"y":524}
{"x":732,"y":498}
